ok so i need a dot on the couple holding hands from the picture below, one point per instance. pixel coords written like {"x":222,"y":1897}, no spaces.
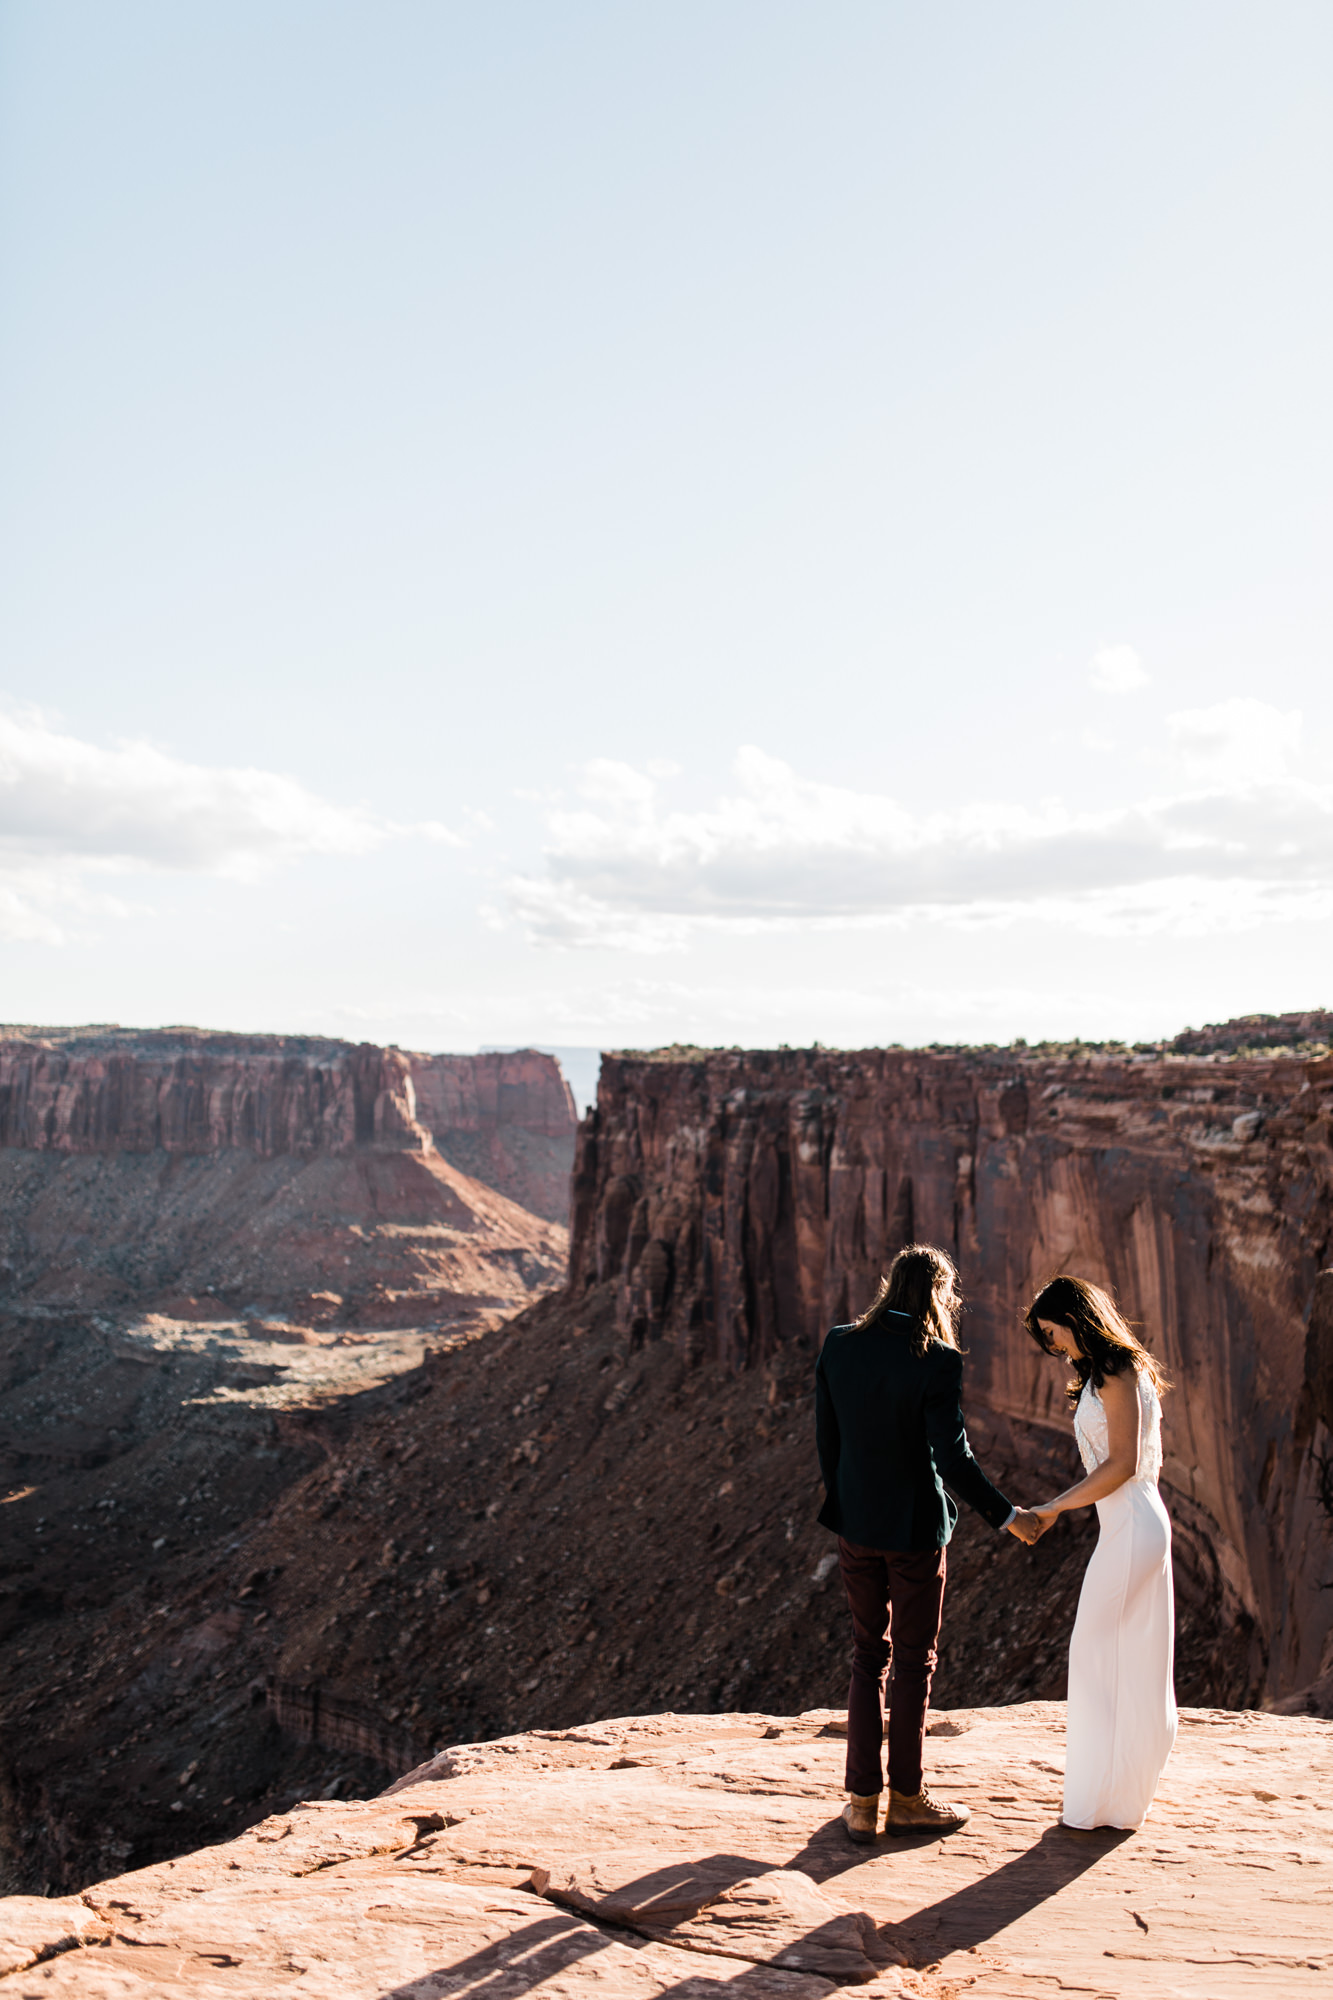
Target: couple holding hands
{"x":889,"y":1428}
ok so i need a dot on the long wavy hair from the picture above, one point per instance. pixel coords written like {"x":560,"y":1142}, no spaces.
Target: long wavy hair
{"x":922,"y":1282}
{"x":1107,"y":1344}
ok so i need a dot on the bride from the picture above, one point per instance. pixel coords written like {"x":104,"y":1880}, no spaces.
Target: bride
{"x":1121,"y":1720}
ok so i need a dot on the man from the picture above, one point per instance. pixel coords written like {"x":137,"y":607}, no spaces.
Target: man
{"x":889,"y":1427}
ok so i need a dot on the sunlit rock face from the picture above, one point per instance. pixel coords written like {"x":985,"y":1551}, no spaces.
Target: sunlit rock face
{"x":741,"y":1203}
{"x":506,"y":1119}
{"x":185,"y":1091}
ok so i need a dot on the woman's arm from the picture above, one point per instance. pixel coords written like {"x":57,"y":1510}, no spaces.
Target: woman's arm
{"x":1120,"y":1400}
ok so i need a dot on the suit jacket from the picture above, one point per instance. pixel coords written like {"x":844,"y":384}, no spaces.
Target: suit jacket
{"x":889,"y":1427}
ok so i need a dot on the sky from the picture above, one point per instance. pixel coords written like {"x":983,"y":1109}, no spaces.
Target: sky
{"x":600,"y":525}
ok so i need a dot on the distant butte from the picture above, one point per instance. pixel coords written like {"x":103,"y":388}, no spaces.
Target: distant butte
{"x":206,"y":1175}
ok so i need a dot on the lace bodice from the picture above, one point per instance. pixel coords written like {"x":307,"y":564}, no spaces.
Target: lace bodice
{"x":1094,"y":1443}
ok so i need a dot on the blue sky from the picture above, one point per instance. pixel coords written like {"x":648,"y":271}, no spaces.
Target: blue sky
{"x":622,"y":524}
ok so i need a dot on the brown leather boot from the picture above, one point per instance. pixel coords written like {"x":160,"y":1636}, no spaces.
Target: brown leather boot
{"x":924,"y":1813}
{"x":860,"y":1816}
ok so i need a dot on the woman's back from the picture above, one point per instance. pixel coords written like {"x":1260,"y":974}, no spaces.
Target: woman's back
{"x":1092,"y":1437}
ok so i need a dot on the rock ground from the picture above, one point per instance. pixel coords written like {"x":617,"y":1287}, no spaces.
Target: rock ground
{"x":700,"y":1856}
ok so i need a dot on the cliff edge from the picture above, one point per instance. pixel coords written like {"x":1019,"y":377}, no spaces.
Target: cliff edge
{"x":700,"y":1856}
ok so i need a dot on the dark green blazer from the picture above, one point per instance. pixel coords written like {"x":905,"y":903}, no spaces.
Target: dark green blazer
{"x":889,"y":1427}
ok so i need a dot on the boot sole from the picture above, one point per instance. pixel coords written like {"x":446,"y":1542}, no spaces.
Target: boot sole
{"x":927,"y":1826}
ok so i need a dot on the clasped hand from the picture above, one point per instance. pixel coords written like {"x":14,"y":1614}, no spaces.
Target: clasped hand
{"x":1031,"y":1523}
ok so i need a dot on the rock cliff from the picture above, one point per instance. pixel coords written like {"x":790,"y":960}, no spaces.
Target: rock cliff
{"x":187,"y":1092}
{"x":198,"y":1174}
{"x":700,"y":1857}
{"x":739,"y":1204}
{"x":508,"y":1120}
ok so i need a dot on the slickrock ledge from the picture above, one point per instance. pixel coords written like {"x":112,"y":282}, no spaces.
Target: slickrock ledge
{"x":700,"y":1855}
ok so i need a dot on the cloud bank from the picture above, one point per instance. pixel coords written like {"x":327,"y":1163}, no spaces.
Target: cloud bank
{"x":1237,"y":839}
{"x":72,"y":812}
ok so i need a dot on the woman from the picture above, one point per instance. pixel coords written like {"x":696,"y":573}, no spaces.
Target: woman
{"x":1122,"y":1706}
{"x":889,"y":1427}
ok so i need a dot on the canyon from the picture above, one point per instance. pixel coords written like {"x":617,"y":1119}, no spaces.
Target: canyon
{"x":261,"y":1556}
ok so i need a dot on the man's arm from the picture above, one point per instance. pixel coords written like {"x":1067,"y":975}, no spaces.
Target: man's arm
{"x":950,"y":1449}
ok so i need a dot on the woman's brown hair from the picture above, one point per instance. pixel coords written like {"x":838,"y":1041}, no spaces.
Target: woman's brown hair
{"x":1106,"y":1343}
{"x":922,"y":1282}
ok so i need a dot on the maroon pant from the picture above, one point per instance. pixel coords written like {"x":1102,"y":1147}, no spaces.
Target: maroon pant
{"x":896,"y":1598}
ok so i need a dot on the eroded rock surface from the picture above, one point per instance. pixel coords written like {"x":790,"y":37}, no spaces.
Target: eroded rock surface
{"x":700,"y":1856}
{"x":506,"y":1119}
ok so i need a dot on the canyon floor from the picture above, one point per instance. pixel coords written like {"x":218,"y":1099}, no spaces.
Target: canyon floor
{"x":700,"y":1856}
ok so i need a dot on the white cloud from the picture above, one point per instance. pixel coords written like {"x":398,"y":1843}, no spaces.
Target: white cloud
{"x":71,"y":812}
{"x":1116,"y":670}
{"x":1236,"y":742}
{"x":1236,"y":841}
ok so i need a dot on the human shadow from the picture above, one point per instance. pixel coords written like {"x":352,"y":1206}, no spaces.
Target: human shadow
{"x":670,"y":1894}
{"x":980,"y":1910}
{"x":654,"y":1908}
{"x":649,"y":1908}
{"x":972,"y":1914}
{"x":512,"y":1963}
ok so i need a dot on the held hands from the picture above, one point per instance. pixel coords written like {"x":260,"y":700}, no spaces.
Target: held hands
{"x":1031,"y":1523}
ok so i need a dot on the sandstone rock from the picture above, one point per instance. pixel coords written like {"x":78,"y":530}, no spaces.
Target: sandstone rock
{"x":282,"y":1179}
{"x":508,"y":1120}
{"x":556,"y":1866}
{"x":704,"y":1906}
{"x":108,"y":1091}
{"x":211,"y":1245}
{"x":34,"y":1928}
{"x":1319,"y":1350}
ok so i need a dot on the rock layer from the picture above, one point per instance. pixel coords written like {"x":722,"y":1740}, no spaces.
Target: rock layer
{"x":701,"y":1856}
{"x":739,"y":1204}
{"x":117,"y":1091}
{"x":507,"y":1119}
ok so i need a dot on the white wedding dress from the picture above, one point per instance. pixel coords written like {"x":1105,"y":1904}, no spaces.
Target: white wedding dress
{"x":1122,"y":1702}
